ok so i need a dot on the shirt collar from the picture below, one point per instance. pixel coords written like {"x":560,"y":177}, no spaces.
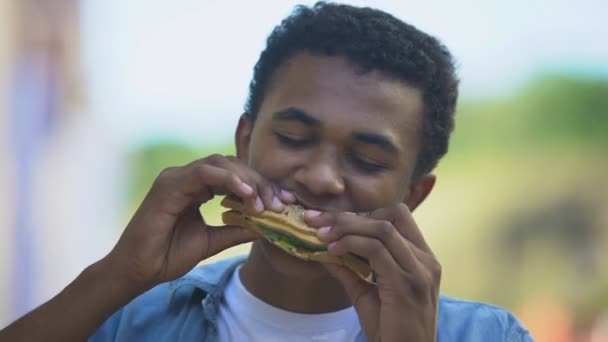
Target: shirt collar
{"x":211,"y":279}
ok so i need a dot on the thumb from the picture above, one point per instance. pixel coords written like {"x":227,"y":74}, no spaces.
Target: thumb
{"x":352,"y":283}
{"x":224,"y":237}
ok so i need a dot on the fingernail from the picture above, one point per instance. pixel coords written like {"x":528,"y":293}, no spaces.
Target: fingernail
{"x":324,"y":230}
{"x":287,"y":194}
{"x":259,"y":206}
{"x":246,"y":188}
{"x":312,"y":213}
{"x":331,"y":245}
{"x":276,"y":203}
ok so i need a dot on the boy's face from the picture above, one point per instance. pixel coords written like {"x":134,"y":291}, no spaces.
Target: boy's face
{"x":336,"y":138}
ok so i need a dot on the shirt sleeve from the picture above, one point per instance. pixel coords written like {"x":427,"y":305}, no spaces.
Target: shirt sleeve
{"x":517,"y":332}
{"x":521,"y":335}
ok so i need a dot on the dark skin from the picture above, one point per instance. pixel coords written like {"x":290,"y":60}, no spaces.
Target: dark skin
{"x":326,"y":136}
{"x":342,"y":143}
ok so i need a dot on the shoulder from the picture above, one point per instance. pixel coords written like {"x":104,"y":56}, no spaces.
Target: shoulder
{"x":462,"y":320}
{"x":163,"y":312}
{"x":149,"y":315}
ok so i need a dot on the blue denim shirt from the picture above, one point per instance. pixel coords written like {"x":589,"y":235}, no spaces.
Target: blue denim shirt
{"x":186,"y":310}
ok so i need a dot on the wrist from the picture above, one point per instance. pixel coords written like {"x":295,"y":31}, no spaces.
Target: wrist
{"x":116,"y":280}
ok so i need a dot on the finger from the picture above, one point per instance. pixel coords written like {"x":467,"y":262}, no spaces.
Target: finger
{"x":224,"y":237}
{"x":252,"y":204}
{"x":199,"y":241}
{"x":179,"y":188}
{"x":267,"y":199}
{"x":219,"y":181}
{"x":352,"y":283}
{"x":320,"y":219}
{"x":384,"y":231}
{"x":286,"y":196}
{"x":402,"y":219}
{"x":369,"y":248}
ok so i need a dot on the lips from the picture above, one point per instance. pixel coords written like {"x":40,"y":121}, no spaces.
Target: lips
{"x":309,"y":205}
{"x":310,"y":202}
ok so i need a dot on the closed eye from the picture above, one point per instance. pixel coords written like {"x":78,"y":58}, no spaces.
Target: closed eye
{"x":292,"y":141}
{"x":366,"y":165}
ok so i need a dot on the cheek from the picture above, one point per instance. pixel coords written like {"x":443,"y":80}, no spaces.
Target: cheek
{"x":372,"y":193}
{"x":267,"y":159}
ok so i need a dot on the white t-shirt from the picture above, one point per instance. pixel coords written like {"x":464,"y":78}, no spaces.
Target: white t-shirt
{"x":243,"y":317}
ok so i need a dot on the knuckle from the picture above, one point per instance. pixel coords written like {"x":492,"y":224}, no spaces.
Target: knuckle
{"x":233,"y":179}
{"x":255,"y":177}
{"x":436,"y":270}
{"x":343,"y":241}
{"x":231,"y":158}
{"x":165,"y":176}
{"x":376,"y":248}
{"x":266,"y":189}
{"x":200,"y":170}
{"x":402,"y":209}
{"x":385,"y":229}
{"x":336,"y":228}
{"x":341,"y":218}
{"x":330,"y":219}
{"x":215,"y":159}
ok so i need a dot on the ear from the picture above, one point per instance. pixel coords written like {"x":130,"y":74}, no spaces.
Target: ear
{"x":419,"y":191}
{"x":242,"y":137}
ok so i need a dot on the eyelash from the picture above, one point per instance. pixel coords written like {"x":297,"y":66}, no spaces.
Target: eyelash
{"x":361,"y":164}
{"x":366,"y":166}
{"x":291,"y":142}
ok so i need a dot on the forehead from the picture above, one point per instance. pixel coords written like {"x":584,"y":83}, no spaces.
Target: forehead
{"x":335,"y":91}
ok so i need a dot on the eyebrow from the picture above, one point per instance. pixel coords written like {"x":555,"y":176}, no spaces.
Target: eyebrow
{"x":379,"y":140}
{"x":296,"y":114}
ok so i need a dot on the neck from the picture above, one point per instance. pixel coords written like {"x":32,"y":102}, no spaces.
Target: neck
{"x":292,"y":292}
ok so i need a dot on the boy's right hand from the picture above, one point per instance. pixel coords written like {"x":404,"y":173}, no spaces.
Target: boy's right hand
{"x":167,"y":235}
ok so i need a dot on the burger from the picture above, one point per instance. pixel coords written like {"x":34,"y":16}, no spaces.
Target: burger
{"x":288,"y":231}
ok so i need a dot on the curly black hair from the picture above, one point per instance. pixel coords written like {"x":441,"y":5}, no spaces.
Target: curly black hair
{"x":372,"y":40}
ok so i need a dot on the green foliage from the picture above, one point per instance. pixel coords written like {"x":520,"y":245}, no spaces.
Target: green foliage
{"x":566,"y":107}
{"x":148,"y":161}
{"x":552,"y":110}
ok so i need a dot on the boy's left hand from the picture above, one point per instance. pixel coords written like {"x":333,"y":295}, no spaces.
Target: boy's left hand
{"x":403,"y":304}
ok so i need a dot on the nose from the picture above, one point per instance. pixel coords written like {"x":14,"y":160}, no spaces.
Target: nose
{"x":321,"y":175}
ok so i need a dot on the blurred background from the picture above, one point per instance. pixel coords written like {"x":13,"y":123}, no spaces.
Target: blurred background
{"x":96,"y":97}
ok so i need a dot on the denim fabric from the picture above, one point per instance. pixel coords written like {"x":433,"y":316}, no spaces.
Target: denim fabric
{"x":186,"y":310}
